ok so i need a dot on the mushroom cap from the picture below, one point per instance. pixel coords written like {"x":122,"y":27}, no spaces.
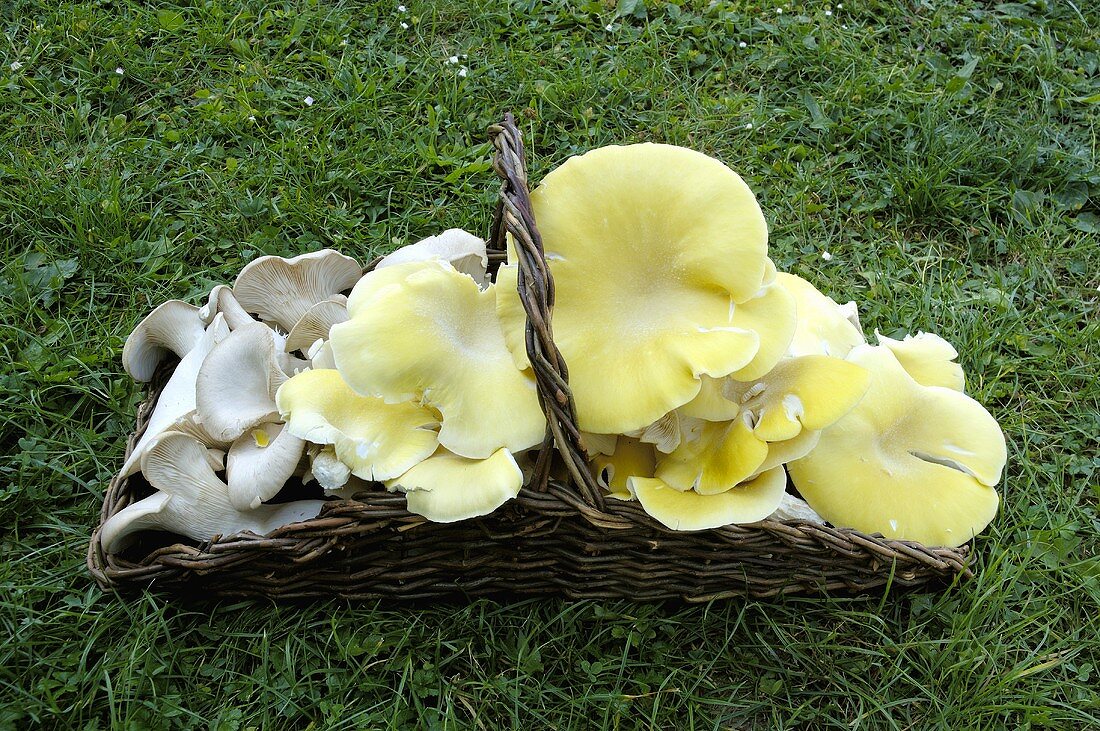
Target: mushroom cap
{"x":928,"y":358}
{"x":377,"y":440}
{"x":236,"y":384}
{"x":910,"y":462}
{"x":259,"y":463}
{"x":631,"y":458}
{"x":771,"y":314}
{"x":142,"y":515}
{"x":721,"y":456}
{"x":174,"y":326}
{"x":316,"y":323}
{"x":282,"y":290}
{"x":175,"y":409}
{"x":461,"y":249}
{"x":788,"y":450}
{"x":445,"y":487}
{"x":650,"y":246}
{"x":823,"y":326}
{"x":811,"y":391}
{"x":748,"y":502}
{"x":711,"y":404}
{"x":434,"y":336}
{"x":599,"y":443}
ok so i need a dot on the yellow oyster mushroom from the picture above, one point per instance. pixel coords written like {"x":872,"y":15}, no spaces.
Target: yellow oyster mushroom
{"x":445,"y":487}
{"x":377,"y":440}
{"x":809,"y":392}
{"x":434,"y":336}
{"x":380,"y":281}
{"x":824,"y":327}
{"x":748,"y":502}
{"x":770,"y":314}
{"x":711,"y":404}
{"x":718,"y":458}
{"x":651,"y":247}
{"x":631,"y":458}
{"x":788,"y":450}
{"x":909,"y":461}
{"x":928,"y":358}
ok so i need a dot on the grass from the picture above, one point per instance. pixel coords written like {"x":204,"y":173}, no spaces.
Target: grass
{"x":945,"y":154}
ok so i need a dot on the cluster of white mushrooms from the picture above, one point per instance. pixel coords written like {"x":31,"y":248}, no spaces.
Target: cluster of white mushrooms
{"x":702,"y":377}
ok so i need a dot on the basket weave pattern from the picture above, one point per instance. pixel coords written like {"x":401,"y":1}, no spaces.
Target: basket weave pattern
{"x":558,"y":537}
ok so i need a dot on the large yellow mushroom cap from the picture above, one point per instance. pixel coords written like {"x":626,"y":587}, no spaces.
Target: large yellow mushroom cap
{"x":823,"y":325}
{"x":909,"y":461}
{"x":928,"y":358}
{"x":433,"y":335}
{"x":746,"y":503}
{"x":375,"y":439}
{"x":651,"y":247}
{"x":446,"y":487}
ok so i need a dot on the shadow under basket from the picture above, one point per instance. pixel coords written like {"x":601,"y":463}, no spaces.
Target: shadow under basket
{"x":559,"y":537}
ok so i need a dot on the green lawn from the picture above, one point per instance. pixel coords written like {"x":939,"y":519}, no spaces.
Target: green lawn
{"x":944,"y":154}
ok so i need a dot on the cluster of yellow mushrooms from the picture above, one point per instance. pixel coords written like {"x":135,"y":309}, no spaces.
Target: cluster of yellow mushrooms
{"x":702,"y":377}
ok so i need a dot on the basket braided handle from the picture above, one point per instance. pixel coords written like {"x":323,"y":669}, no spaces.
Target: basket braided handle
{"x":514,"y":217}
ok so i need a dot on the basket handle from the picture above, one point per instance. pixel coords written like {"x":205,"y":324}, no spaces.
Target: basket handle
{"x":513,"y":216}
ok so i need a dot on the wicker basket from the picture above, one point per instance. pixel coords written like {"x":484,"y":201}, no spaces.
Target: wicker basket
{"x":558,"y":537}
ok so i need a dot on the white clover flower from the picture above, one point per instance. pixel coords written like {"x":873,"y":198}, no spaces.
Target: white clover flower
{"x":452,"y":60}
{"x":748,"y":126}
{"x":828,"y":13}
{"x":463,"y":71}
{"x":15,"y":65}
{"x":826,"y":256}
{"x":402,"y":9}
{"x":609,"y":27}
{"x":308,"y":101}
{"x":779,"y":11}
{"x":251,"y":117}
{"x":742,"y":44}
{"x":119,"y":70}
{"x":404,"y":25}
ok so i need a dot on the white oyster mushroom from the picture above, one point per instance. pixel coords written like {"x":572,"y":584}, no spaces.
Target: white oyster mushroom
{"x":176,"y":404}
{"x":173,"y":327}
{"x":281,"y":291}
{"x":327,"y":469}
{"x":320,"y":356}
{"x":221,"y":300}
{"x":260,"y":462}
{"x":236,"y":385}
{"x":316,"y":323}
{"x":792,"y":508}
{"x":192,"y":501}
{"x":461,"y":249}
